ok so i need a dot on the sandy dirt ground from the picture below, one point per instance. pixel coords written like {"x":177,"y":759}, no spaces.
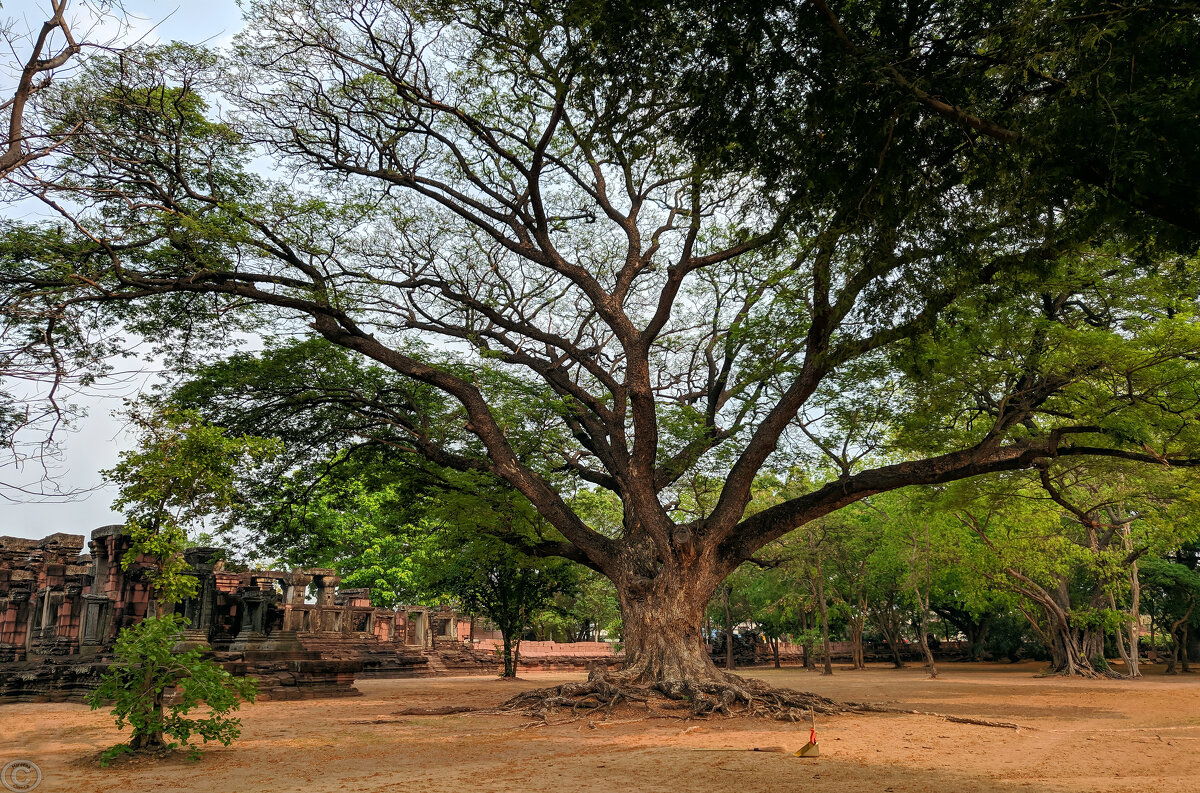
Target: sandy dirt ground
{"x":1076,"y":736}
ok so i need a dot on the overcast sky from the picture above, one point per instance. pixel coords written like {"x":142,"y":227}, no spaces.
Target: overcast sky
{"x":100,"y":437}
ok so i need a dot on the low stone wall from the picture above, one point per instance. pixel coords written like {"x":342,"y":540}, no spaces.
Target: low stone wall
{"x":282,"y":678}
{"x":484,"y":658}
{"x":50,"y":681}
{"x":549,"y":649}
{"x":567,"y":663}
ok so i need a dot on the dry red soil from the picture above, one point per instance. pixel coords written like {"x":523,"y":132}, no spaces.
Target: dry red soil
{"x":1076,"y":735}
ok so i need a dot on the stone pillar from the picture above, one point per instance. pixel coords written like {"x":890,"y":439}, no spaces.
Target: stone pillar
{"x":70,"y":616}
{"x":14,"y":627}
{"x":254,"y":603}
{"x":201,"y":610}
{"x":295,"y":592}
{"x":327,"y":584}
{"x":327,"y":617}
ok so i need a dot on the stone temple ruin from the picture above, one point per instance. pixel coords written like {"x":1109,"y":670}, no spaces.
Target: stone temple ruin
{"x":60,"y":613}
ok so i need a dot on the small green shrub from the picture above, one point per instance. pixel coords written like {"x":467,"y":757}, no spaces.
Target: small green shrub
{"x":146,"y":668}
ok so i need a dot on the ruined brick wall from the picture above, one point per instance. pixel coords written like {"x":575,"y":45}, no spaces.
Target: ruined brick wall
{"x":61,"y":611}
{"x":44,"y":586}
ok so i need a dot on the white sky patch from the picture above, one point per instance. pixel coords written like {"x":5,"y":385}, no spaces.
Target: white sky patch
{"x":100,"y":437}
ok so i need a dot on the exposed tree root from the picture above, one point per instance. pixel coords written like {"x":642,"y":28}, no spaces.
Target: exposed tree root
{"x":873,"y":708}
{"x":731,"y":696}
{"x":441,"y":710}
{"x":1086,"y":673}
{"x":685,"y":699}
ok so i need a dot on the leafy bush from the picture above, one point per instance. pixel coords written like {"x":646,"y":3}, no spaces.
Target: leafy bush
{"x":1011,"y":638}
{"x":146,"y":668}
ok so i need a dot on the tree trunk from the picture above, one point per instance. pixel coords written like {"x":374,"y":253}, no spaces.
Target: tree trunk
{"x":154,"y":738}
{"x":806,"y":646}
{"x":889,"y":631}
{"x":148,"y":740}
{"x":1185,"y":657}
{"x":1153,"y":641}
{"x":923,"y":605}
{"x":1129,"y":633}
{"x":1177,"y":641}
{"x":824,"y":621}
{"x":923,"y":630}
{"x":728,"y":630}
{"x":897,"y":659}
{"x":663,"y":633}
{"x":1068,"y":653}
{"x":775,"y":650}
{"x":1135,"y":613}
{"x":1092,"y":643}
{"x":857,"y":659}
{"x":510,"y":666}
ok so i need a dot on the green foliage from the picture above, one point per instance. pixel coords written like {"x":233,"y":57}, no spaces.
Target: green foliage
{"x":346,"y":491}
{"x":146,"y":668}
{"x":183,"y":473}
{"x":774,"y":601}
{"x":1171,"y":590}
{"x":586,"y":610}
{"x":1046,"y":102}
{"x":491,"y":578}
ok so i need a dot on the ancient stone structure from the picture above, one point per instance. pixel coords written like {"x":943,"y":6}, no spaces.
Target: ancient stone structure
{"x":296,"y":631}
{"x":60,"y":613}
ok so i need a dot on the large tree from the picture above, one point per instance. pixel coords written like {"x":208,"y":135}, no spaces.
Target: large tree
{"x":606,"y":306}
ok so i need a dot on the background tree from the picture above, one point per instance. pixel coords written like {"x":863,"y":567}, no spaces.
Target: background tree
{"x":586,"y":613}
{"x":1069,"y":542}
{"x":911,"y":554}
{"x":814,"y":537}
{"x":492,"y":579}
{"x":1171,"y":591}
{"x":1079,"y":102}
{"x":776,"y":603}
{"x":183,"y":473}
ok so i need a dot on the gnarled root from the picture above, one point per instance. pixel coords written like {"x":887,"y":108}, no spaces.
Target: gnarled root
{"x":730,"y":696}
{"x":597,"y":693}
{"x":737,"y":696}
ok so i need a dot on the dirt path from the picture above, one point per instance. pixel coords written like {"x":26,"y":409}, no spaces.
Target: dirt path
{"x":1085,"y":736}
